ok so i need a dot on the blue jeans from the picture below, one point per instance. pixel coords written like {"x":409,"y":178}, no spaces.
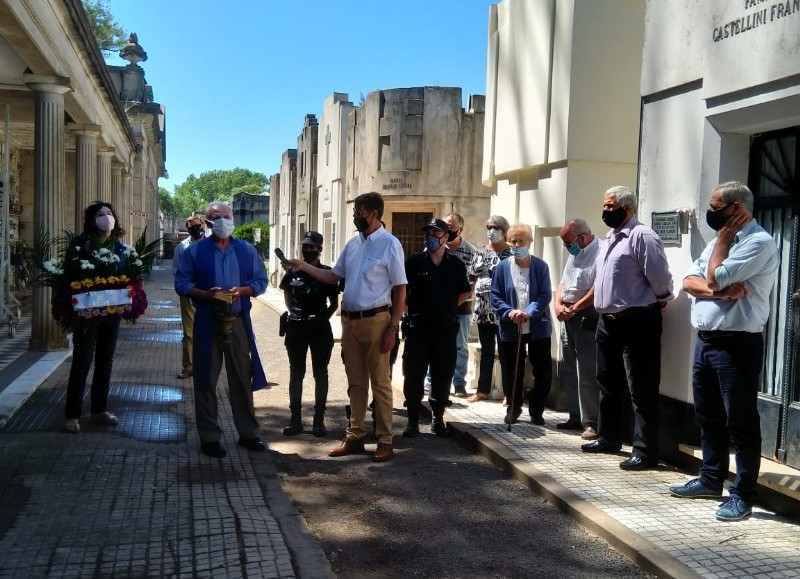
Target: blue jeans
{"x":725,"y":384}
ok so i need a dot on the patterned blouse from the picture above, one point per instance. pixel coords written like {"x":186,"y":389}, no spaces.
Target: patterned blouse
{"x":482,"y":266}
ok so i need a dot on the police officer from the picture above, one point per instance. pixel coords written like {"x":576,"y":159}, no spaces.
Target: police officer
{"x":310,"y":304}
{"x":437,"y":285}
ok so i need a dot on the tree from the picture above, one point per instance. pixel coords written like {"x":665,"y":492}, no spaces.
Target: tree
{"x":110,"y":36}
{"x":245,"y":231}
{"x":166,"y":202}
{"x":218,"y":185}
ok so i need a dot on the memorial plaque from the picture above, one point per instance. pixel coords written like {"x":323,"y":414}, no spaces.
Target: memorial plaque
{"x":667,"y":226}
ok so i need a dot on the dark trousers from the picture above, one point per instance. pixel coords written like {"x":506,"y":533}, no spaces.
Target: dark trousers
{"x":538,"y":351}
{"x":725,"y":384}
{"x":488,"y":337}
{"x":98,"y":341}
{"x":301,"y":336}
{"x":629,"y":358}
{"x":435,"y":347}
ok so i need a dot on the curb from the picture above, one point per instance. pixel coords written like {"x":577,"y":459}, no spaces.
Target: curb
{"x":641,"y":551}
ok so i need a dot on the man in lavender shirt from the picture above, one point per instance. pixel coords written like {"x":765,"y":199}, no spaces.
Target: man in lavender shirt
{"x":632,"y":284}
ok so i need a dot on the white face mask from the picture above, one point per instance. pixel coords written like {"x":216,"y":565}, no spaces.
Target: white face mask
{"x":494,"y":235}
{"x":222,"y":227}
{"x":104,"y":222}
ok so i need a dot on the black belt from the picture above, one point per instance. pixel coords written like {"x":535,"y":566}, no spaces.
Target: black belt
{"x":364,"y":313}
{"x":708,"y":335}
{"x":627,"y":312}
{"x":309,"y":318}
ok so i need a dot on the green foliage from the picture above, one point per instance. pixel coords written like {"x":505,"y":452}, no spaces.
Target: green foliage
{"x":197,"y":192}
{"x":147,"y":255}
{"x":245,"y":232}
{"x":166,"y":202}
{"x":110,"y":36}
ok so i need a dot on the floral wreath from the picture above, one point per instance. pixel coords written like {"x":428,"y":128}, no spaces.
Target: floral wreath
{"x":108,"y":284}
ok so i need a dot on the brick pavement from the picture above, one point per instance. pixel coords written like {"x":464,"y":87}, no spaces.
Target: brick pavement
{"x":139,"y":500}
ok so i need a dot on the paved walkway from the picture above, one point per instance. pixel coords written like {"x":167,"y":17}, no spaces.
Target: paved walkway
{"x":139,"y":500}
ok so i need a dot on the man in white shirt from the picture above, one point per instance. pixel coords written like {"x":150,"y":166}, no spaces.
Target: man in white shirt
{"x":574,"y":308}
{"x":372,"y":266}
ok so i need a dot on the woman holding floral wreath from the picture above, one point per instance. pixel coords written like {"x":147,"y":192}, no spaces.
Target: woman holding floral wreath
{"x":96,"y":251}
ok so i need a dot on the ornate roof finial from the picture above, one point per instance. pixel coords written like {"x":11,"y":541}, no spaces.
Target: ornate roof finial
{"x":132,"y":52}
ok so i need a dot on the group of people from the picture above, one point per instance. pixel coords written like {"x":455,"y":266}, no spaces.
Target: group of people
{"x":609,"y":302}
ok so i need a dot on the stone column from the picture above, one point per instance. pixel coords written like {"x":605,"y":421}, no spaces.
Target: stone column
{"x":116,"y":187}
{"x":49,"y":175}
{"x":85,"y":169}
{"x":104,"y":157}
{"x":124,"y":210}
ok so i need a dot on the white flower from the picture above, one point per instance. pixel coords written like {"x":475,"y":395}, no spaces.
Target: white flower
{"x":85,"y":264}
{"x":53,"y":267}
{"x":104,"y":255}
{"x":137,"y":263}
{"x":129,"y":250}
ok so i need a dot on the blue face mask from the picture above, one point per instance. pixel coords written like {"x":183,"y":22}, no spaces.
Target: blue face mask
{"x":520,"y":252}
{"x":574,"y":249}
{"x":433,"y":243}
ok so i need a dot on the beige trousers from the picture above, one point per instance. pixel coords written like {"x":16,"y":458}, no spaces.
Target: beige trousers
{"x":366,"y":365}
{"x":187,"y":320}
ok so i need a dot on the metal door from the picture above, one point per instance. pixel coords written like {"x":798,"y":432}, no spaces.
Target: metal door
{"x":775,"y":181}
{"x":407,"y":227}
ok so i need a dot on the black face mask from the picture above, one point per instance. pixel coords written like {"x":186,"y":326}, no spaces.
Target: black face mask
{"x":716,"y":219}
{"x":361,"y":223}
{"x":195,"y":231}
{"x":615,"y":217}
{"x":310,"y":256}
{"x":451,"y":236}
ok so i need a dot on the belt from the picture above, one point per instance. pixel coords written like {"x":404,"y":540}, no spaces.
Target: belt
{"x":309,"y":318}
{"x":364,"y":313}
{"x":627,"y":312}
{"x":708,"y":335}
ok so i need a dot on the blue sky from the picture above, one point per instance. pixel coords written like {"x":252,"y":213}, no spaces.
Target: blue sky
{"x":238,"y":77}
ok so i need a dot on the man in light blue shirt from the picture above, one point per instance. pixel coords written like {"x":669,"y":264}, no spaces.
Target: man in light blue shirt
{"x":730,"y":285}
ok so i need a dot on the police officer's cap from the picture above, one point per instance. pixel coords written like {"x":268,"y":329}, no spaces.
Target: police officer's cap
{"x":312,"y":238}
{"x":436,"y":224}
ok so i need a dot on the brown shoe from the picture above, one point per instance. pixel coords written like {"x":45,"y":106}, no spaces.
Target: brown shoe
{"x":589,"y":434}
{"x":383,"y":452}
{"x":348,"y":446}
{"x":185,"y":373}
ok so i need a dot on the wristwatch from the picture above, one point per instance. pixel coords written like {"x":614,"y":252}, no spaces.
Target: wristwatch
{"x":395,"y":327}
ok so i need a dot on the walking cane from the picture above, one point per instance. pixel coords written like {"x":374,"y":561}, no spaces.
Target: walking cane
{"x":514,"y":383}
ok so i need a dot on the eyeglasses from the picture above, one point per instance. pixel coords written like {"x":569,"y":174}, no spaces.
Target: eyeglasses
{"x":493,"y":227}
{"x":568,"y":245}
{"x":364,"y":213}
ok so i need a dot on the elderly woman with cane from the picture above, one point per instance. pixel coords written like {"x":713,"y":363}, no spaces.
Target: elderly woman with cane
{"x":520,"y":295}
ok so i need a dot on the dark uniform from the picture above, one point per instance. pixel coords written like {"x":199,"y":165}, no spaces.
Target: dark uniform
{"x":432,"y":292}
{"x":308,"y":326}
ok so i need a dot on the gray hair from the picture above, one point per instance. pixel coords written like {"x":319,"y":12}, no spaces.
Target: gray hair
{"x":458,"y":217}
{"x":579,"y":227}
{"x":624,"y":196}
{"x":736,"y":191}
{"x":501,"y":222}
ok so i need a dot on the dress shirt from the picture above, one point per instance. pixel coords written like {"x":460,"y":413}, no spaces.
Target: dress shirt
{"x":753,"y":260}
{"x":226,"y":271}
{"x":370,"y":266}
{"x":579,"y":273}
{"x":632,"y":270}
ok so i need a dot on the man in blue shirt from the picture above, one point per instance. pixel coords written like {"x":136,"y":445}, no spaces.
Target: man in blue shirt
{"x":221,"y":273}
{"x":730,"y":285}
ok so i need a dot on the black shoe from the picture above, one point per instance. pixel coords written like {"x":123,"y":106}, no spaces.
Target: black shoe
{"x":599,"y":446}
{"x":213,"y":449}
{"x":319,"y":430}
{"x":439,"y":428}
{"x":537,"y":420}
{"x":253,"y":444}
{"x":512,"y":415}
{"x":411,"y":431}
{"x":569,"y":425}
{"x":293,"y":429}
{"x":637,"y":463}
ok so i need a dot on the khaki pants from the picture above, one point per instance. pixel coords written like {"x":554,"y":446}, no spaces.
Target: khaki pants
{"x":366,"y":365}
{"x":187,"y":320}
